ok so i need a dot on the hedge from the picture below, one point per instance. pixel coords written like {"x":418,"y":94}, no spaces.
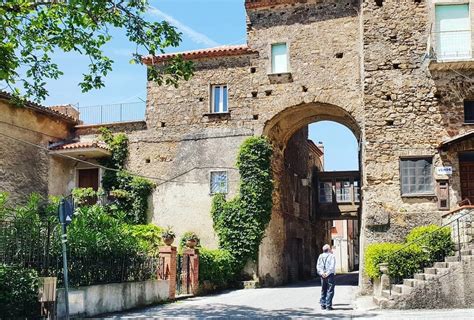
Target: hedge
{"x":217,"y":267}
{"x":18,"y":293}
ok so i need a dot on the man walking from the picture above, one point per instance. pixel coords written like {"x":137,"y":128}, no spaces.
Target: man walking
{"x":326,"y":268}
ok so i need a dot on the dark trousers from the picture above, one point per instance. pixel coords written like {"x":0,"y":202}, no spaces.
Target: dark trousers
{"x":327,"y":290}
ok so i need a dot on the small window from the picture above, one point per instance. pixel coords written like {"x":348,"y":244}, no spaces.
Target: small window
{"x":453,"y":32}
{"x":343,"y":191}
{"x":416,"y":176}
{"x":219,"y":99}
{"x":218,"y":182}
{"x":279,"y":58}
{"x":469,"y":111}
{"x":325,"y":192}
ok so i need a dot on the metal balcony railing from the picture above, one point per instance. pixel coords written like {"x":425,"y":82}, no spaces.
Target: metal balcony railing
{"x":109,"y":113}
{"x":452,"y":45}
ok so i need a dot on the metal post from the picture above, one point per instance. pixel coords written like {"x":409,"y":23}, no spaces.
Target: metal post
{"x":459,"y":240}
{"x":63,"y":220}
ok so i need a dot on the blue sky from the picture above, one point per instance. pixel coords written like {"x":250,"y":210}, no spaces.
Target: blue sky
{"x":204,"y":23}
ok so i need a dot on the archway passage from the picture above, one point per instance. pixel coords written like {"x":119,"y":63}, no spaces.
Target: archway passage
{"x":307,"y":199}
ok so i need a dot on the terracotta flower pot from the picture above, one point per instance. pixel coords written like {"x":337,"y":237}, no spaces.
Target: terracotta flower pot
{"x":168,"y":241}
{"x":191,"y":243}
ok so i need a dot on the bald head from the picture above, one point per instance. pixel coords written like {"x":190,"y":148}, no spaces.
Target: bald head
{"x":326,"y":248}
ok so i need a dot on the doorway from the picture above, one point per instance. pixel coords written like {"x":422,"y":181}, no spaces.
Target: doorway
{"x":466,"y":169}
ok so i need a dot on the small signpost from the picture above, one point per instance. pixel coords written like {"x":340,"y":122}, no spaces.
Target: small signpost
{"x":444,"y":170}
{"x":66,"y":211}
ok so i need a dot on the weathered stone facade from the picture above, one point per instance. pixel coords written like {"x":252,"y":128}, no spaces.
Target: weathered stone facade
{"x":363,"y":64}
{"x":25,"y":169}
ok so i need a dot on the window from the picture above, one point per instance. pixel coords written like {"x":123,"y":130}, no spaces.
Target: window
{"x":279,"y":58}
{"x":468,"y":111}
{"x":343,"y":191}
{"x":453,"y":32}
{"x":325,"y":192}
{"x":219,"y":99}
{"x":416,"y":176}
{"x":218,"y":182}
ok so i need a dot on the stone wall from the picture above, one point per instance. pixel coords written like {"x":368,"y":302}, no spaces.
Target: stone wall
{"x":25,"y":169}
{"x":99,"y":299}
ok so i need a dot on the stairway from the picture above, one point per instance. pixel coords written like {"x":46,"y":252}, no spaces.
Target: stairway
{"x":424,"y":290}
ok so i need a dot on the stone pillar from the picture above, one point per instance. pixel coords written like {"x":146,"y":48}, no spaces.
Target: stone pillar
{"x":168,"y":254}
{"x":193,"y":256}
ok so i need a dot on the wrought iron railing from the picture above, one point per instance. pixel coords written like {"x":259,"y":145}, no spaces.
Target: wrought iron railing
{"x":452,"y":45}
{"x":110,"y":113}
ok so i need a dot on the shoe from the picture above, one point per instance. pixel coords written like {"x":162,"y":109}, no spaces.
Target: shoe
{"x":329,"y":308}
{"x":323,"y":307}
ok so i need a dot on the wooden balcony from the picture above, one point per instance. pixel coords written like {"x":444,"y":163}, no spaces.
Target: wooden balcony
{"x":338,"y":195}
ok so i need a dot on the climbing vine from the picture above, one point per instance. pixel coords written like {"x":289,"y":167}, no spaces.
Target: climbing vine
{"x":240,"y":223}
{"x":130,"y":193}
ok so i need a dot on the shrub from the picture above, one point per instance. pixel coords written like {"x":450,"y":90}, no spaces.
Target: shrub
{"x":377,"y":253}
{"x":18,"y":293}
{"x":406,"y":262}
{"x":434,"y":240}
{"x":148,"y":236}
{"x":217,"y":267}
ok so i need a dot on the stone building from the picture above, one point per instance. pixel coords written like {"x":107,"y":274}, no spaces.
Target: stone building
{"x":397,"y":73}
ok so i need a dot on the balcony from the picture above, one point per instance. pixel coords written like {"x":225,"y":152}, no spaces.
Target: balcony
{"x":338,"y":195}
{"x":451,"y":50}
{"x":112,"y":113}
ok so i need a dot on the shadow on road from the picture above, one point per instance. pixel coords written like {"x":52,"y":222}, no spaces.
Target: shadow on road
{"x":346,"y":279}
{"x":224,"y":311}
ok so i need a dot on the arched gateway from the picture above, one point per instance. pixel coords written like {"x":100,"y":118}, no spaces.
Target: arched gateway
{"x":298,"y":228}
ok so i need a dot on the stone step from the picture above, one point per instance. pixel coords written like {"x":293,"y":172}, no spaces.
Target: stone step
{"x":402,"y":289}
{"x":440,"y":265}
{"x":466,"y":252}
{"x":419,"y":276}
{"x":430,"y":270}
{"x":429,"y":276}
{"x":451,"y":259}
{"x":413,"y":282}
{"x":386,"y":294}
{"x":442,"y":270}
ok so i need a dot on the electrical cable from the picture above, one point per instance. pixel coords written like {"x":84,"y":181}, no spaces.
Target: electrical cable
{"x":95,"y":165}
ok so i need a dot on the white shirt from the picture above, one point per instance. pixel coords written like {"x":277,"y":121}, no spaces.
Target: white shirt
{"x":326,"y":263}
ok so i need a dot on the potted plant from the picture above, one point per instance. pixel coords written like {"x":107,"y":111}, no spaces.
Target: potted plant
{"x":191,"y":240}
{"x":168,"y":236}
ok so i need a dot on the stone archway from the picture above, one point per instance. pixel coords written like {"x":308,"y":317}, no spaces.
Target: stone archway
{"x":273,"y":267}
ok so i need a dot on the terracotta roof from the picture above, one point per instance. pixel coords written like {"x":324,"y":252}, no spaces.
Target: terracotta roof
{"x":41,"y":109}
{"x":223,"y":51}
{"x":255,"y":4}
{"x":460,"y":137}
{"x":81,"y":145}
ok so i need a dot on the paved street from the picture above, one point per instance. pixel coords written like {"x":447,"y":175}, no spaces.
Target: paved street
{"x":293,"y":301}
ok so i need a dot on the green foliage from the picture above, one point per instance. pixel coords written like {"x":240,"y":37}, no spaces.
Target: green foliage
{"x":216,"y":266}
{"x":148,"y":235}
{"x":434,"y":240}
{"x":32,"y":31}
{"x":82,"y":196}
{"x":189,"y":235}
{"x":377,"y":253}
{"x":18,"y":293}
{"x":423,"y":246}
{"x":240,"y":223}
{"x":168,"y":233}
{"x":130,"y":192}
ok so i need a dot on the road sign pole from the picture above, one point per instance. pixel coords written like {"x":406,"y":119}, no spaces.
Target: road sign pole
{"x":62,"y":218}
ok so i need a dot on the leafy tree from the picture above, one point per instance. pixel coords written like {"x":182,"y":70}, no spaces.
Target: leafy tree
{"x":33,"y":30}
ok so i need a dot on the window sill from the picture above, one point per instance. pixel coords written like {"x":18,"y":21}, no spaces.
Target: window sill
{"x":283,"y":77}
{"x":419,"y":195}
{"x":216,"y":114}
{"x":468,"y":124}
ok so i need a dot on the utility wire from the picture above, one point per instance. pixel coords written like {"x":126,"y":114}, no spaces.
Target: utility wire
{"x":95,"y":165}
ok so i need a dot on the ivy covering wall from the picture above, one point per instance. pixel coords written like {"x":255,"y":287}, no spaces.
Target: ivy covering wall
{"x":240,"y":223}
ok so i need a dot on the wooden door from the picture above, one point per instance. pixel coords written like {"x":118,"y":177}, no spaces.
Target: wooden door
{"x":88,"y":178}
{"x":467,"y":180}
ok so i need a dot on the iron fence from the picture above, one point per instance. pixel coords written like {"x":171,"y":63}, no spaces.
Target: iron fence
{"x":109,"y":113}
{"x":36,"y":245}
{"x":183,"y":275}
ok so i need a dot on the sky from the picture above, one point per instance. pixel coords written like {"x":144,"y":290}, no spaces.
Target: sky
{"x":204,"y":24}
